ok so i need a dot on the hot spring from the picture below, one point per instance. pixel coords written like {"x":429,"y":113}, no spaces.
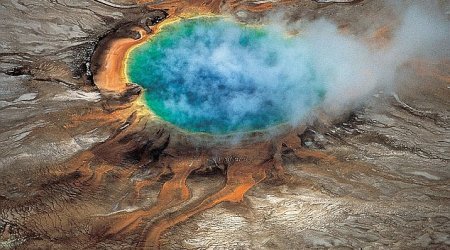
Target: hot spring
{"x":218,"y":76}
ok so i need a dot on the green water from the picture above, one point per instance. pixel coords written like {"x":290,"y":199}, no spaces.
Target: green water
{"x":217,"y":76}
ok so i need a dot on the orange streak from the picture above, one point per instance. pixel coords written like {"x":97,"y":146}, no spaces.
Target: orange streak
{"x":239,"y":180}
{"x":381,"y":37}
{"x":110,"y":76}
{"x":293,"y":142}
{"x":179,"y":7}
{"x":173,"y":192}
{"x":303,"y":153}
{"x":139,"y":185}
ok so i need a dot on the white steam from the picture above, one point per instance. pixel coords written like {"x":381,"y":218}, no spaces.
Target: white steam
{"x":355,"y":69}
{"x":229,"y":82}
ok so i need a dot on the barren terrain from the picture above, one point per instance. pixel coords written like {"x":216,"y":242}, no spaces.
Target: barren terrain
{"x":84,"y":164}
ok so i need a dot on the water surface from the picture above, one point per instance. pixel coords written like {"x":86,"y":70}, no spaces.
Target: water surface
{"x":217,"y":76}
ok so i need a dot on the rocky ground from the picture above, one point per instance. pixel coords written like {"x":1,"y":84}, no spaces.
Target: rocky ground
{"x":85,"y":169}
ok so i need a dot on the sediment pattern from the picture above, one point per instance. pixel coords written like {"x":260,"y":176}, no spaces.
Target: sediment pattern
{"x":88,"y":166}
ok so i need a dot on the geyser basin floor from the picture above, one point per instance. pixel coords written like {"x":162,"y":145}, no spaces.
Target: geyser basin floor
{"x":217,"y":76}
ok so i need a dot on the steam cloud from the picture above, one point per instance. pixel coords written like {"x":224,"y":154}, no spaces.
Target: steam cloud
{"x":225,"y":79}
{"x":354,"y":70}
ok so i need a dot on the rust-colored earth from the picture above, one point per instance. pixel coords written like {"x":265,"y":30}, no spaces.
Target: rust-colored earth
{"x":86,"y":165}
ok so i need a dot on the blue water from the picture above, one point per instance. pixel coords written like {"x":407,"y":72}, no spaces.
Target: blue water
{"x":217,"y":76}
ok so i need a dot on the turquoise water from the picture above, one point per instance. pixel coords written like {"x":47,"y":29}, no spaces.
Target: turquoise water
{"x":217,"y":76}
